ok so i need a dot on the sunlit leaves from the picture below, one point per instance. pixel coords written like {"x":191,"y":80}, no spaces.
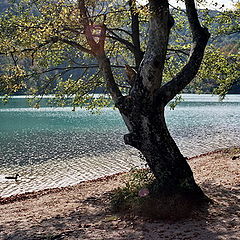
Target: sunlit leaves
{"x":36,"y":56}
{"x":12,"y":79}
{"x":219,"y":69}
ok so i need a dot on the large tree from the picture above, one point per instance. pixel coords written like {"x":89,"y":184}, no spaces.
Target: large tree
{"x":42,"y":37}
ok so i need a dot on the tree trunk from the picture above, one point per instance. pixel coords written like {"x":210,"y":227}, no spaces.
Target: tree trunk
{"x":143,"y":109}
{"x":150,"y":135}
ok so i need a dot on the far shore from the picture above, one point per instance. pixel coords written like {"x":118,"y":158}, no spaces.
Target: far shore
{"x":83,"y":211}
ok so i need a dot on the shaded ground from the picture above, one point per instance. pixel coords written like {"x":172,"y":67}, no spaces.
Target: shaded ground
{"x":82,"y":211}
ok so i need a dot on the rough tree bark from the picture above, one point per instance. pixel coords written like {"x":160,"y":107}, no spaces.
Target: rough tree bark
{"x":143,"y":109}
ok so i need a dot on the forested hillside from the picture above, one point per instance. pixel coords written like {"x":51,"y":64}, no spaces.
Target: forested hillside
{"x":3,"y":5}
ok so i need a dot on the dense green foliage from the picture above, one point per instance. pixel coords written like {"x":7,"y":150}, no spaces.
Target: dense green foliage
{"x":44,"y":50}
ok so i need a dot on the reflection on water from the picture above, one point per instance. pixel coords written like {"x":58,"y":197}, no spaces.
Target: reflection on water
{"x":55,"y":147}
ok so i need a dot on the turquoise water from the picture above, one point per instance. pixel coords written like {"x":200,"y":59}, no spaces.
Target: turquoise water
{"x":54,"y":147}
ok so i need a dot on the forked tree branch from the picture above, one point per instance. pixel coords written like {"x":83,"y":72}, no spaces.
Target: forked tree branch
{"x":200,"y":38}
{"x":95,"y":40}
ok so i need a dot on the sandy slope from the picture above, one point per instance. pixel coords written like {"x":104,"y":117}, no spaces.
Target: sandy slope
{"x":82,"y":211}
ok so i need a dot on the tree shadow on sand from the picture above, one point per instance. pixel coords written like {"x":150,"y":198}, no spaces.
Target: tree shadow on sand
{"x":93,"y":219}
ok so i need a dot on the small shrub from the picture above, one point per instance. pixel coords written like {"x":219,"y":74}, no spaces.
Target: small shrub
{"x":140,"y":196}
{"x":128,"y":197}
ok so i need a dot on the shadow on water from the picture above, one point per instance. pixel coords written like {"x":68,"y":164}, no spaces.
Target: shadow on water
{"x":219,"y":221}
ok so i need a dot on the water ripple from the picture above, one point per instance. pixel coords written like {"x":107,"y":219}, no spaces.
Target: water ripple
{"x":54,"y":148}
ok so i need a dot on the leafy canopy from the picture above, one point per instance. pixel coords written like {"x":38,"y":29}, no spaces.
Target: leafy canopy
{"x":44,"y":49}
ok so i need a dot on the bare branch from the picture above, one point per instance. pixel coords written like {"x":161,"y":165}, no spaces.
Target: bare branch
{"x":138,"y":54}
{"x":193,"y":20}
{"x":76,"y":45}
{"x":151,"y":68}
{"x":14,"y":59}
{"x":120,"y":30}
{"x":65,"y":69}
{"x":178,"y":50}
{"x":125,"y":42}
{"x":176,"y":8}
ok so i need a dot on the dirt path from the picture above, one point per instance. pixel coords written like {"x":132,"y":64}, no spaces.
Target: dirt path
{"x":82,"y":211}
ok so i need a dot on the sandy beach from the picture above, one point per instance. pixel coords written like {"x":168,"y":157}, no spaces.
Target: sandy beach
{"x":83,"y":211}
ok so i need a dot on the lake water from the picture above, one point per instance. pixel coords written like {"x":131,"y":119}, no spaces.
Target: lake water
{"x":56,"y":147}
